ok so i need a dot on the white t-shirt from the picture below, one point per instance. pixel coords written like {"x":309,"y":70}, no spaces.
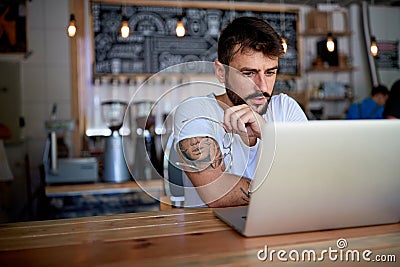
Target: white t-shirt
{"x":190,"y":121}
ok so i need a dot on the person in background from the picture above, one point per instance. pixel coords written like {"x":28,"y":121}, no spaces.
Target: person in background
{"x":392,"y":106}
{"x":371,"y":107}
{"x":217,"y":136}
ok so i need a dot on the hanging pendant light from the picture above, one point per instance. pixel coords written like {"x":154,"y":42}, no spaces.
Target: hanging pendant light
{"x":180,"y":28}
{"x":330,"y":44}
{"x":373,"y":47}
{"x":125,"y":28}
{"x":284,"y":45}
{"x":125,"y":31}
{"x":71,"y":29}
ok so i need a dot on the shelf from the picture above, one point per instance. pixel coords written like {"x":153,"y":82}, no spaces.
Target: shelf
{"x":15,"y":57}
{"x":12,"y":57}
{"x":331,"y":69}
{"x":103,"y":188}
{"x":329,"y":103}
{"x":331,"y":99}
{"x":325,"y":33}
{"x":145,"y":76}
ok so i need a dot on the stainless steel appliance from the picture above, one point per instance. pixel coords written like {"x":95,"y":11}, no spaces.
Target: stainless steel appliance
{"x":115,"y":166}
{"x":146,"y":165}
{"x":58,"y":166}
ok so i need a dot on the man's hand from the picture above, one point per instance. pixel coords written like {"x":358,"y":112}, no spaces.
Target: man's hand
{"x":243,"y":121}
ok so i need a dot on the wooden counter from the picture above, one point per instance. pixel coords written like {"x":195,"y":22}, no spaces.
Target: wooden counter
{"x":103,"y":188}
{"x":93,"y":199}
{"x":178,"y":237}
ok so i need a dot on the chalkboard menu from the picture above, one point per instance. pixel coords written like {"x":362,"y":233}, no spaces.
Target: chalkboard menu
{"x":388,"y":55}
{"x":153,"y":45}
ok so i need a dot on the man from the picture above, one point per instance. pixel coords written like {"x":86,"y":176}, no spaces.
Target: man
{"x":371,"y":107}
{"x":392,"y":106}
{"x":218,"y":136}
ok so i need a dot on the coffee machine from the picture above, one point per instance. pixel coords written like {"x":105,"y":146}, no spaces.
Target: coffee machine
{"x":115,"y":166}
{"x":147,"y":165}
{"x":58,"y":166}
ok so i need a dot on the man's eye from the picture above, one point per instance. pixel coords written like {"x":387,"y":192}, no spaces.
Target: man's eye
{"x":270,"y":73}
{"x":249,"y":73}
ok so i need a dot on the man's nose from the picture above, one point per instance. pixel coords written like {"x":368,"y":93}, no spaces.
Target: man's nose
{"x":262,"y":83}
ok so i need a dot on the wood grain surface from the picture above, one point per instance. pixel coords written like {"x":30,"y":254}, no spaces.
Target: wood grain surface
{"x":176,"y":237}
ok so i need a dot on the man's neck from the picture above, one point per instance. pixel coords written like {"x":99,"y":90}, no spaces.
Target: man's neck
{"x":223,"y":101}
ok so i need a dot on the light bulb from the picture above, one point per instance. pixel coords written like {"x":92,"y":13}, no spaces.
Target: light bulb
{"x":125,"y":29}
{"x":284,"y":45}
{"x":374,"y":47}
{"x":71,"y":29}
{"x":180,"y":29}
{"x":330,"y":44}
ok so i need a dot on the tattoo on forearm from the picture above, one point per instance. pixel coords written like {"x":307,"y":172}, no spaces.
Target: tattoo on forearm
{"x":201,"y":152}
{"x":246,"y":193}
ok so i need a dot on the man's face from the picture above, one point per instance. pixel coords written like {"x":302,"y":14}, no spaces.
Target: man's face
{"x":380,"y":98}
{"x":254,"y":80}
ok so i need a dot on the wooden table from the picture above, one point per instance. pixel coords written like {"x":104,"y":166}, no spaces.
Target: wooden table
{"x":177,"y":237}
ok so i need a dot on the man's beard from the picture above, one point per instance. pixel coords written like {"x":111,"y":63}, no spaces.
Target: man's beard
{"x":237,"y":100}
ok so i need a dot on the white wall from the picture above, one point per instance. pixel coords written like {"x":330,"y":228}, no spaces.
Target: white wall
{"x":46,"y":73}
{"x":385,"y":25}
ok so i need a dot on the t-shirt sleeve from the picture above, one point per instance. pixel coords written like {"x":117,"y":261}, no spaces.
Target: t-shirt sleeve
{"x":289,"y":109}
{"x":185,"y":123}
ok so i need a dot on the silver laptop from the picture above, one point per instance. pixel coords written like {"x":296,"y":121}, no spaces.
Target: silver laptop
{"x":322,"y":175}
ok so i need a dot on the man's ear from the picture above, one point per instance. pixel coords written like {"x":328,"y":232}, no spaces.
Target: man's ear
{"x":219,"y":71}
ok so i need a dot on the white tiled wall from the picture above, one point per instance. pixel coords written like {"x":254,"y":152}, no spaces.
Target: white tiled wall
{"x":46,"y":73}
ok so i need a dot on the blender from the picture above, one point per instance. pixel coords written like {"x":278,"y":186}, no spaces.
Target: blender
{"x":115,"y":166}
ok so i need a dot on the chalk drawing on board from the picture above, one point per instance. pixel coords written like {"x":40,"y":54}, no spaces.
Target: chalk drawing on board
{"x":153,"y":45}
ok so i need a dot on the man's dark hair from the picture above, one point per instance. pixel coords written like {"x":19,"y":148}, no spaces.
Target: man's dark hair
{"x":380,"y":89}
{"x":248,"y":33}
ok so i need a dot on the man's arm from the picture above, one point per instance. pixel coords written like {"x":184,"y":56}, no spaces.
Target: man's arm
{"x":207,"y":173}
